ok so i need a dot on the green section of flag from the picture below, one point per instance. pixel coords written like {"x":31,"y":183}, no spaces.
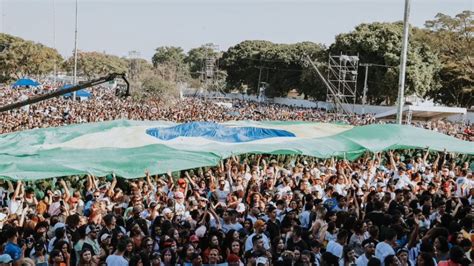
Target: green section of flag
{"x":21,"y":155}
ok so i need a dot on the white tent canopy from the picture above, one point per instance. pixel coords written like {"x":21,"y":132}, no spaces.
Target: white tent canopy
{"x":422,"y":113}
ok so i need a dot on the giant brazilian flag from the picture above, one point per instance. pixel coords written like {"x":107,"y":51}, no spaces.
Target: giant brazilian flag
{"x":127,"y":148}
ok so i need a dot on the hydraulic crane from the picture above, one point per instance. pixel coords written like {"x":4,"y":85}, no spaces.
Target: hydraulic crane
{"x":58,"y":92}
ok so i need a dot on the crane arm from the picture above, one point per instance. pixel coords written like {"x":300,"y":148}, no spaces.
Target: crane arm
{"x":60,"y":92}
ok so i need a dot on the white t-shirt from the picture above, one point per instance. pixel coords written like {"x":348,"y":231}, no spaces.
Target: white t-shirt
{"x":114,"y":260}
{"x":463,"y":185}
{"x":382,"y":250}
{"x":362,"y":260}
{"x":335,"y":248}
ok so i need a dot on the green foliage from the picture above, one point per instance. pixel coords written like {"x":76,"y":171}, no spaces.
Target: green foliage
{"x":25,"y":58}
{"x":452,"y":39}
{"x":168,"y":55}
{"x":380,"y":43}
{"x":92,"y":64}
{"x":169,"y":64}
{"x":279,"y":65}
{"x":154,"y":85}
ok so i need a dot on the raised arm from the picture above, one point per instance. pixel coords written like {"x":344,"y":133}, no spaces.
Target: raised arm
{"x":17,"y":189}
{"x":170,"y":181}
{"x":425,"y":156}
{"x":414,"y":235}
{"x":148,"y":179}
{"x":393,"y":164}
{"x":110,"y":191}
{"x":67,"y":194}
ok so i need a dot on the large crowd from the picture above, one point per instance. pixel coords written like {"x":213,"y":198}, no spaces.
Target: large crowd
{"x":104,"y":106}
{"x":410,"y":207}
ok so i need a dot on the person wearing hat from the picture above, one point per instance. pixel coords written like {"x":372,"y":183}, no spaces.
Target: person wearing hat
{"x":5,"y":259}
{"x":369,"y":251}
{"x":259,"y":227}
{"x":179,"y":206}
{"x":137,"y":219}
{"x":91,"y":239}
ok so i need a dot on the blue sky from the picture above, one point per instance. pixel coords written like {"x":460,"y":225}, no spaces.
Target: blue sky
{"x":119,"y":26}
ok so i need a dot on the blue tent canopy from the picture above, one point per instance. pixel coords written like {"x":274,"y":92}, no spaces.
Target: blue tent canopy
{"x":79,"y":93}
{"x":25,"y":82}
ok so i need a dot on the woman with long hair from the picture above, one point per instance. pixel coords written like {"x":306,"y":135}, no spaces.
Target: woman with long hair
{"x":186,"y":255}
{"x":128,"y":250}
{"x":56,"y":258}
{"x":360,"y":234}
{"x":234,"y":251}
{"x":230,"y":237}
{"x":168,"y":257}
{"x":86,"y":258}
{"x":40,"y":257}
{"x":278,"y":246}
{"x":348,"y":256}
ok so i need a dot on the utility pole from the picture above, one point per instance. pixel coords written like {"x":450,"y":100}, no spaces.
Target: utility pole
{"x":75,"y":57}
{"x":366,"y":88}
{"x":403,"y":63}
{"x":54,"y":40}
{"x":364,"y":95}
{"x":258,"y":84}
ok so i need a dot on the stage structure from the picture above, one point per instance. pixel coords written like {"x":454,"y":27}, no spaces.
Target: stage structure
{"x":342,"y":76}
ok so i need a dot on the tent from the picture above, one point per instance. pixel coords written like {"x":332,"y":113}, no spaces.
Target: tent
{"x":128,"y":147}
{"x":25,"y":82}
{"x":80,"y":93}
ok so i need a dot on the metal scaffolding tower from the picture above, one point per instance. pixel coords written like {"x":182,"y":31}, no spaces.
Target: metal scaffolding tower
{"x":342,"y":76}
{"x":210,"y":71}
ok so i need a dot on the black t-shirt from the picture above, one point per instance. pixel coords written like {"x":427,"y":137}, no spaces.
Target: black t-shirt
{"x":301,"y":244}
{"x":395,"y":206}
{"x":378,"y":218}
{"x":273,"y":229}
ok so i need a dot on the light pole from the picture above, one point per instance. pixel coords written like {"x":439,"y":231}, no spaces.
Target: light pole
{"x":403,"y":63}
{"x":54,"y":41}
{"x":364,"y":95}
{"x":75,"y":57}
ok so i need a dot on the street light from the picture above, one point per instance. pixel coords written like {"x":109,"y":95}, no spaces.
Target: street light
{"x":75,"y":57}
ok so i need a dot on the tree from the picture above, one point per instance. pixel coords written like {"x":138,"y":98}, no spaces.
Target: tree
{"x":155,"y":86}
{"x":25,"y":58}
{"x":93,"y":64}
{"x":380,"y":43}
{"x":168,"y":54}
{"x":169,"y":63}
{"x":451,"y":38}
{"x":279,"y":65}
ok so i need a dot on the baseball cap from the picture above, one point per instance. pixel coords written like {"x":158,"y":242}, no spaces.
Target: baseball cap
{"x":178,"y":195}
{"x":5,"y":258}
{"x":193,"y":239}
{"x":368,"y":242}
{"x":57,"y":193}
{"x":240,"y":208}
{"x":167,"y":211}
{"x":104,"y":237}
{"x":89,"y":229}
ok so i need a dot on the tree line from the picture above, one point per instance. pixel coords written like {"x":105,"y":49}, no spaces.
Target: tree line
{"x":440,"y":63}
